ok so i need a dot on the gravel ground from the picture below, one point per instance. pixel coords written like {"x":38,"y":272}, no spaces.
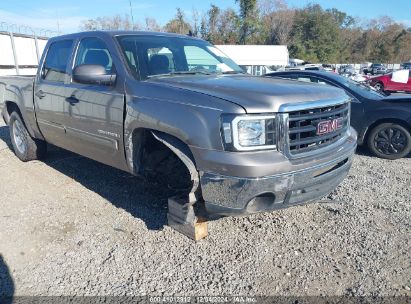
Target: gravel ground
{"x":71,"y":226}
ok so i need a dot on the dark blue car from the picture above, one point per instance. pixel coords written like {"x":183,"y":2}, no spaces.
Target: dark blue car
{"x":383,"y":122}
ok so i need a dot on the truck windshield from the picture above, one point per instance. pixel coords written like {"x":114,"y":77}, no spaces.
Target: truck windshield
{"x":154,"y":56}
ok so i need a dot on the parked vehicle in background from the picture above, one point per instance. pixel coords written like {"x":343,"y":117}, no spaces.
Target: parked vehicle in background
{"x":310,"y":67}
{"x":364,"y":67}
{"x":328,"y":67}
{"x":388,"y":83}
{"x":376,"y":69}
{"x":360,"y":77}
{"x":346,"y":70}
{"x":383,"y":122}
{"x":405,"y":66}
{"x":307,"y":66}
{"x":134,"y":100}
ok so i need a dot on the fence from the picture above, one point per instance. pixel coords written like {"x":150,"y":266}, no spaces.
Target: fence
{"x":27,"y":30}
{"x":21,"y":48}
{"x":20,"y":53}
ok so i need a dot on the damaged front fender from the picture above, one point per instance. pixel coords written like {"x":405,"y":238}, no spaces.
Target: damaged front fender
{"x":184,"y":154}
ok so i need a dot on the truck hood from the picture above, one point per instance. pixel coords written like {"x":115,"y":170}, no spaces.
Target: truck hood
{"x":254,"y":94}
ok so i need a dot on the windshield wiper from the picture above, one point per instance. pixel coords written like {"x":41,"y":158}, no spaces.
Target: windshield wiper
{"x":192,"y":72}
{"x":182,"y":73}
{"x":232,"y":72}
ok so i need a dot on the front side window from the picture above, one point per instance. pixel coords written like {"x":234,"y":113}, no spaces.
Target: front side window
{"x":151,"y":56}
{"x":198,"y":58}
{"x":55,"y":64}
{"x":94,"y":51}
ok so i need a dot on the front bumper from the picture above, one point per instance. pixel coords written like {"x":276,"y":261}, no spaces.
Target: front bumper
{"x":228,"y":195}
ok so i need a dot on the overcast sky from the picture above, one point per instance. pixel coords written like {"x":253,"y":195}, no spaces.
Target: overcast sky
{"x":67,"y":15}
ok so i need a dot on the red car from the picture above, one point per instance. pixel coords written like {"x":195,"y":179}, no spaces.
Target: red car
{"x":384,"y":83}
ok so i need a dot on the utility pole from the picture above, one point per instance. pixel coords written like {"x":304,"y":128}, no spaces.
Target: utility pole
{"x":58,"y":23}
{"x":132,"y":17}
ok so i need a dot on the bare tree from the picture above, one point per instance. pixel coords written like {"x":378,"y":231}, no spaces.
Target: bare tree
{"x":152,"y":25}
{"x":227,"y":27}
{"x":196,"y":23}
{"x":117,"y":22}
{"x":178,"y":24}
{"x":213,"y":18}
{"x":278,"y":20}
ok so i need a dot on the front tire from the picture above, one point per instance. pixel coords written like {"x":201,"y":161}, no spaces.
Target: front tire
{"x":379,"y":87}
{"x":389,"y":141}
{"x":25,"y":147}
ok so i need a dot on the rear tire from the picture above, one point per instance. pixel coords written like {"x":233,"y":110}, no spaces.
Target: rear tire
{"x":25,"y":147}
{"x":389,"y":141}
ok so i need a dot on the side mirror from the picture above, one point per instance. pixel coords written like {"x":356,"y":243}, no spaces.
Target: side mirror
{"x":93,"y":74}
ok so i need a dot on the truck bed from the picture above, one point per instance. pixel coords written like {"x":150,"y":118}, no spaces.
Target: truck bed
{"x":17,"y":89}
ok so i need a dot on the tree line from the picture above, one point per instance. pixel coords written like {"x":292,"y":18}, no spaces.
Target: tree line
{"x":311,"y":33}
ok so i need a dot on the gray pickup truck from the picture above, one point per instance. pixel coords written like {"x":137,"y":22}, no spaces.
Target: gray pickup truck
{"x":130,"y":99}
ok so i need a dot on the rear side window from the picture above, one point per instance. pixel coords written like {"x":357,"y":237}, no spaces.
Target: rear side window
{"x":94,"y":51}
{"x":55,"y":65}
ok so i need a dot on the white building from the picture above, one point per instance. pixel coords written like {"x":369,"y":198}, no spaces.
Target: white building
{"x":257,"y":59}
{"x":20,"y":54}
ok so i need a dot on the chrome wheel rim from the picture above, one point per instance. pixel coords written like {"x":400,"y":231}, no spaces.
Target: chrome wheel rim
{"x":390,"y":141}
{"x":19,"y":138}
{"x":378,"y":87}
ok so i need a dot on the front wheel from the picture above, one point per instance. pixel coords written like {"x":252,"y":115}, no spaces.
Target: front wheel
{"x":25,"y":147}
{"x":379,"y":87}
{"x":389,"y":141}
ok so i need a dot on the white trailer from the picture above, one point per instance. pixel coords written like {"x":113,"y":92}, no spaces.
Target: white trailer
{"x":19,"y":53}
{"x":257,"y":59}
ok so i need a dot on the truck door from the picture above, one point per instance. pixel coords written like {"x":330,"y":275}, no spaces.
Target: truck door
{"x":94,"y":113}
{"x":50,"y":92}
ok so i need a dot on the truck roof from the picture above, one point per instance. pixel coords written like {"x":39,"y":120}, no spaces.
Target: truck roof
{"x":117,"y":33}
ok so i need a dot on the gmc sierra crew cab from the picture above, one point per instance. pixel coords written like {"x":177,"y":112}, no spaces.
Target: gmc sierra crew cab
{"x":131,"y":99}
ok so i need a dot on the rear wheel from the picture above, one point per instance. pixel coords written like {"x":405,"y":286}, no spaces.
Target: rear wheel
{"x":390,"y":141}
{"x":25,"y":147}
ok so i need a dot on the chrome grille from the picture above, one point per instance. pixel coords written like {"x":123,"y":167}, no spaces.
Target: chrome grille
{"x":303,"y":133}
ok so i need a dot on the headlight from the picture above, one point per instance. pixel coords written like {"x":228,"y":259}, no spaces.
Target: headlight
{"x":249,"y":132}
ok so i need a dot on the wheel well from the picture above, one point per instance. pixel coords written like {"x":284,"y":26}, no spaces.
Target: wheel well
{"x":385,"y":120}
{"x":10,"y":108}
{"x":164,"y":157}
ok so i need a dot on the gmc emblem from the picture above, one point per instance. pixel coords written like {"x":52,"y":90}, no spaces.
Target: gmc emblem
{"x":328,"y":126}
